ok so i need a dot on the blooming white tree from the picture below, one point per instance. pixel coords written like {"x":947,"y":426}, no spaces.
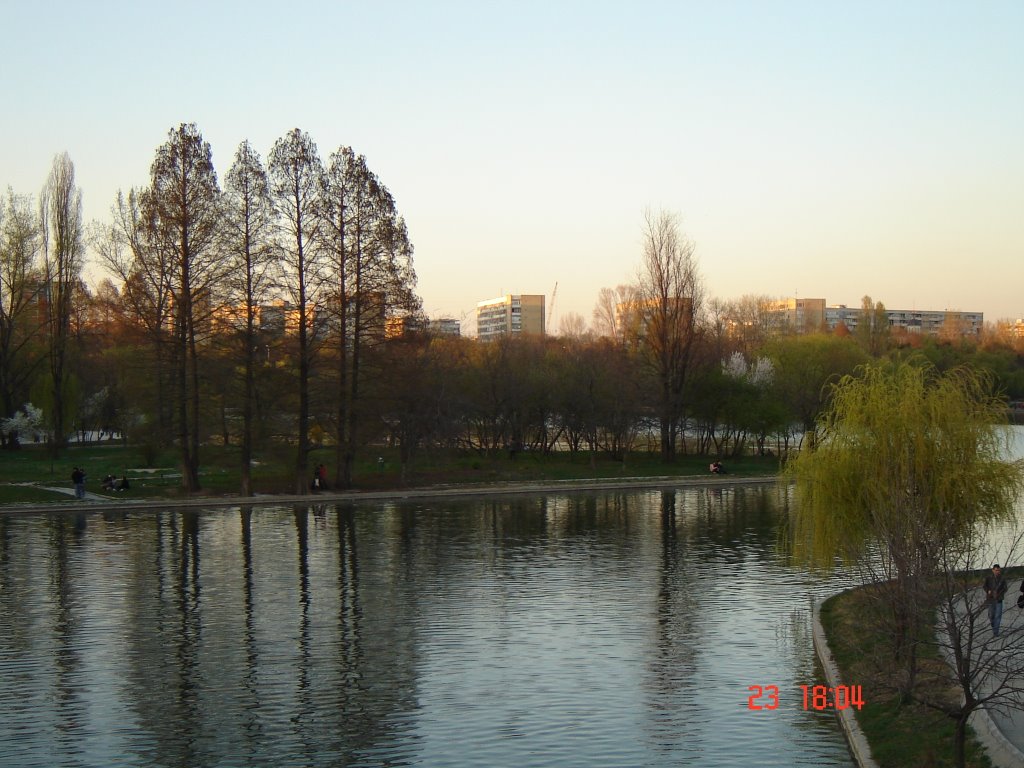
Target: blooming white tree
{"x":26,"y":421}
{"x":759,"y":373}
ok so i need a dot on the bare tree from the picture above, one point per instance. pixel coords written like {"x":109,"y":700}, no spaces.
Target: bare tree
{"x":371,"y":282}
{"x":573,"y":326}
{"x":249,"y":231}
{"x":986,"y":667}
{"x":295,"y":172}
{"x":611,"y":311}
{"x":145,"y":276}
{"x":182,"y":213}
{"x":60,"y":216}
{"x":873,"y":327}
{"x":666,"y":314}
{"x":749,"y":321}
{"x":19,"y":289}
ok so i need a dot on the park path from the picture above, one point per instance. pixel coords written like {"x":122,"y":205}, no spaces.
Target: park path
{"x":1001,"y":728}
{"x":89,"y":495}
{"x":98,"y":502}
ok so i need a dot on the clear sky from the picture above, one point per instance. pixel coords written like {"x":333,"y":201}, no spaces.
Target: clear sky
{"x":819,"y":149}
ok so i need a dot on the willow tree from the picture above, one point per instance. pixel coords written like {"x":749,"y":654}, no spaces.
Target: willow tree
{"x":907,"y":463}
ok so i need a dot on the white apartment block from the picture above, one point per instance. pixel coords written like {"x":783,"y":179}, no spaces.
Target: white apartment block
{"x":926,"y":322}
{"x":811,"y":315}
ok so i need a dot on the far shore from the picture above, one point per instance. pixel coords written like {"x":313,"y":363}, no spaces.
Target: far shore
{"x":96,"y":503}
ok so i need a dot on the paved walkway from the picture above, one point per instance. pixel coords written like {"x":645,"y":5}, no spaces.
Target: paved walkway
{"x":89,"y":496}
{"x":96,"y":501}
{"x":1001,"y":728}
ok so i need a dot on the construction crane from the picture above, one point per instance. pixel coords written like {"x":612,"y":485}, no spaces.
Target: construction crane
{"x":551,"y":309}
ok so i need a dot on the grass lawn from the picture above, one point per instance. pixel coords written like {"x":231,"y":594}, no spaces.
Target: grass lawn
{"x":28,"y":494}
{"x":901,"y":734}
{"x":273,"y":469}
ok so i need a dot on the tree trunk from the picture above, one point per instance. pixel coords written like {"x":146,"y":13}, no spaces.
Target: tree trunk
{"x":247,"y":403}
{"x":959,"y":741}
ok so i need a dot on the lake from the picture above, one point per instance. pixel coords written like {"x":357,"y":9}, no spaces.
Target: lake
{"x":582,"y":629}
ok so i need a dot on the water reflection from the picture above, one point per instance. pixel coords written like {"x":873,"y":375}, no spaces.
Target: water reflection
{"x":589,"y":630}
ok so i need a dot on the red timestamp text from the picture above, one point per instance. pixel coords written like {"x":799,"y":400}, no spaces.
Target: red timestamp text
{"x":817,"y":697}
{"x":770,"y":692}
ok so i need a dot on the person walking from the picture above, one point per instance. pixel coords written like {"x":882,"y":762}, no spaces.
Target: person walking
{"x":995,"y":590}
{"x":78,"y":479}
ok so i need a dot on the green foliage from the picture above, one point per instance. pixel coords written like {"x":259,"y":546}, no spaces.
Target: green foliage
{"x":1002,"y":361}
{"x":901,"y":734}
{"x":805,"y":366}
{"x":42,"y":394}
{"x":153,"y":473}
{"x":907,"y":456}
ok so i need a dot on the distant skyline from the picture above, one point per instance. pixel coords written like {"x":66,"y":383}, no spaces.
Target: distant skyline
{"x":811,"y":149}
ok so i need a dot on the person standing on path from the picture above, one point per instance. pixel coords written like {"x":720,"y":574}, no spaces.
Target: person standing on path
{"x":995,"y":591}
{"x":78,"y":480}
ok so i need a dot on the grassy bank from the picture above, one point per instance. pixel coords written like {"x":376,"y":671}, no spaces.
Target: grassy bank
{"x":901,"y":734}
{"x":26,"y":472}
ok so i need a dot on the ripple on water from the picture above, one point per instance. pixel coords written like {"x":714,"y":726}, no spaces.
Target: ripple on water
{"x":605,"y":630}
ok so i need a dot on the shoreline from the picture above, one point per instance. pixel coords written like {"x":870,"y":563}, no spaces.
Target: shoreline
{"x":105,"y":504}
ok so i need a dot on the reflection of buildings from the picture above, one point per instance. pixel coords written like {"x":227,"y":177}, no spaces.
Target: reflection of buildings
{"x":510,"y":315}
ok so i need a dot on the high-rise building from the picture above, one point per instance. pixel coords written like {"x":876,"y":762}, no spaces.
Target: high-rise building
{"x":510,"y":314}
{"x":799,"y":315}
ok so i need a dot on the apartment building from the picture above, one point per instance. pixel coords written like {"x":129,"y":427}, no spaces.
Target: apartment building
{"x":925,"y":322}
{"x":510,"y":314}
{"x":799,"y":315}
{"x":812,"y":315}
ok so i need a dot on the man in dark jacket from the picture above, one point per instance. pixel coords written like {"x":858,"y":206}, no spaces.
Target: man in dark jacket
{"x":995,"y":590}
{"x":78,"y":480}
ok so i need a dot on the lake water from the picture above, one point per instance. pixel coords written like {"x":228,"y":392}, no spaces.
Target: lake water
{"x":612,"y":629}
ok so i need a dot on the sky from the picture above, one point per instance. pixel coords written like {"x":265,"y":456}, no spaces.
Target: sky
{"x":809,"y":149}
